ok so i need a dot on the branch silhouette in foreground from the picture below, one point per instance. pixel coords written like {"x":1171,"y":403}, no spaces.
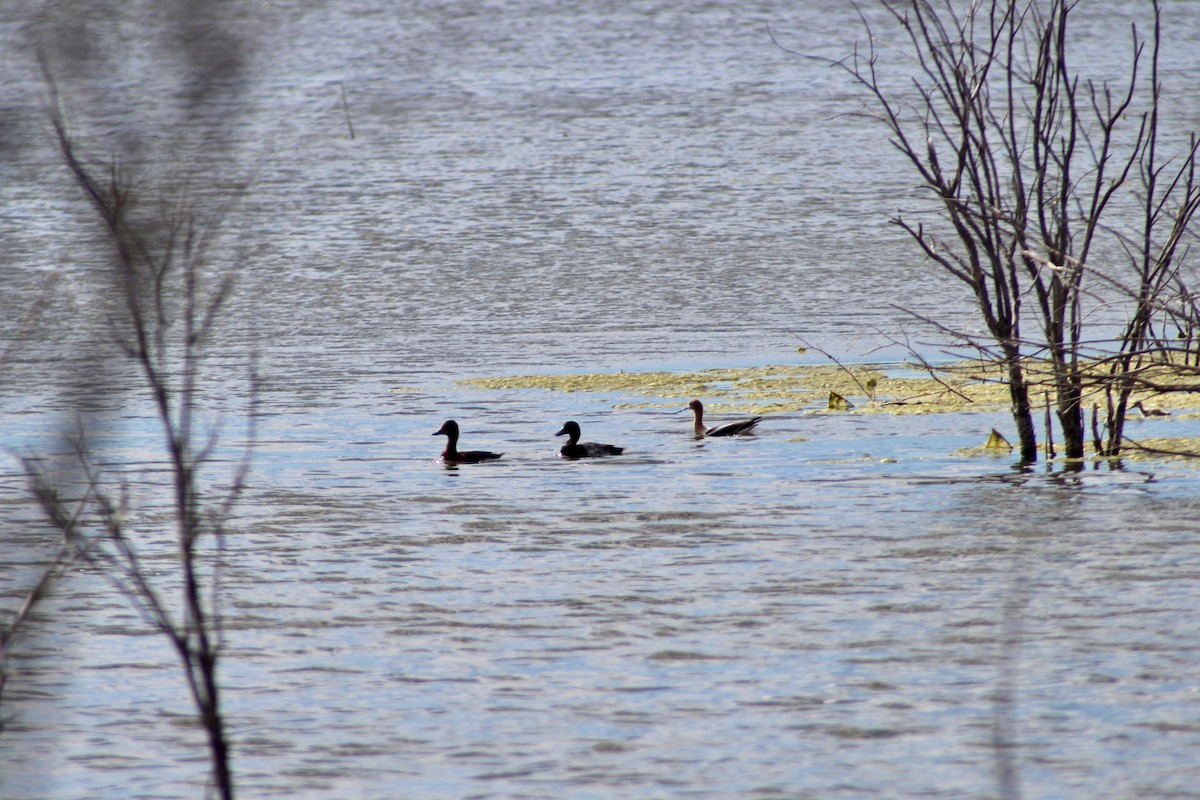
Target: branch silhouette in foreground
{"x":164,"y":326}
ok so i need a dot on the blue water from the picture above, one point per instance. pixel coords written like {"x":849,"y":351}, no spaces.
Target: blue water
{"x":827,"y":609}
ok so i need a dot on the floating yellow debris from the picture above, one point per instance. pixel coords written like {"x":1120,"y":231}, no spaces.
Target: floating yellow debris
{"x":753,"y":390}
{"x":839,"y":403}
{"x":997,"y":442}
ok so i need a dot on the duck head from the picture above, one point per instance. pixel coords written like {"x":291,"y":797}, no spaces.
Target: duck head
{"x":570,"y":429}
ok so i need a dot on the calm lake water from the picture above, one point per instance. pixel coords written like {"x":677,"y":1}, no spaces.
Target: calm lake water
{"x":433,"y":192}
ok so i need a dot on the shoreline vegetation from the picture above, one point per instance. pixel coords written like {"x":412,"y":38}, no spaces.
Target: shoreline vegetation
{"x":898,"y":388}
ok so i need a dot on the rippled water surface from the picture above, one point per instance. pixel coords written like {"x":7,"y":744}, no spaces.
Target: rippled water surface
{"x":832,"y":608}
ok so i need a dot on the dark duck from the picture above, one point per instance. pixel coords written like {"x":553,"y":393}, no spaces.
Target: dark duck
{"x":574,"y":449}
{"x":727,"y":429}
{"x":451,"y":454}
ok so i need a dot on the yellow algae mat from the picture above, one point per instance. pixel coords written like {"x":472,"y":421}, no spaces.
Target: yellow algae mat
{"x":891,"y":389}
{"x":780,"y":388}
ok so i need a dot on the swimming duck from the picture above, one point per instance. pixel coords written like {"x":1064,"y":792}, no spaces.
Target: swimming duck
{"x":728,"y":429}
{"x":573,"y":449}
{"x":449,"y":429}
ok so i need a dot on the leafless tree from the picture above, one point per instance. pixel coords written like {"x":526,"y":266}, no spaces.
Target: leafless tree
{"x":1031,"y":167}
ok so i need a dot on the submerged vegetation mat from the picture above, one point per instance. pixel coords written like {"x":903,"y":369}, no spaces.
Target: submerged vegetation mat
{"x":869,"y":388}
{"x":894,"y":389}
{"x":776,"y":388}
